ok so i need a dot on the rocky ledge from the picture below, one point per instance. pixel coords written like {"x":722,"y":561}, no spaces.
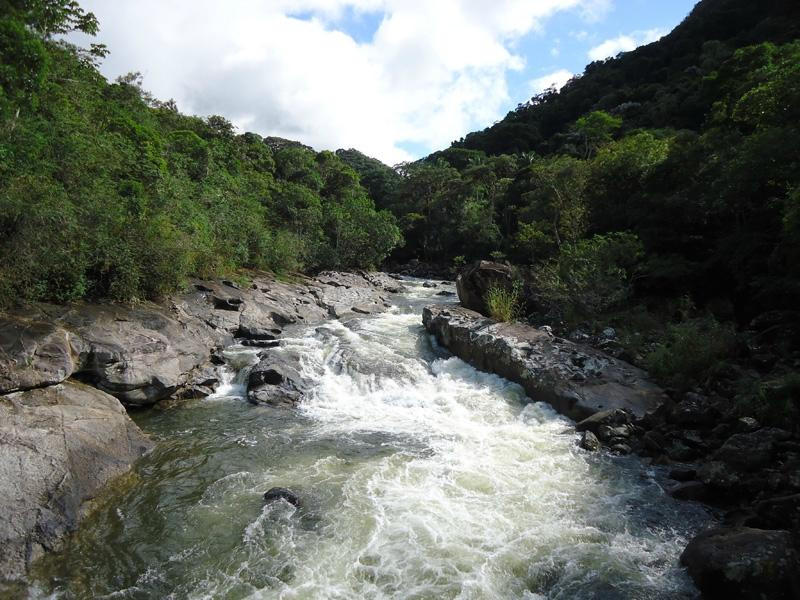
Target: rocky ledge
{"x":578,"y":381}
{"x":68,"y":372}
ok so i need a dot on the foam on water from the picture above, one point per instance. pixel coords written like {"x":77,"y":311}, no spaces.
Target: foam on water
{"x":420,"y":477}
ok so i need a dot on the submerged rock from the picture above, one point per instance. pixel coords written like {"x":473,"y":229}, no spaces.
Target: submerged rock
{"x":279,"y":493}
{"x":746,"y":563}
{"x":60,"y":445}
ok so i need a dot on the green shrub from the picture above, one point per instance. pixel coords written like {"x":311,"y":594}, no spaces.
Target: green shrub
{"x":775,"y":403}
{"x":504,"y":304}
{"x":690,"y":351}
{"x":590,"y":275}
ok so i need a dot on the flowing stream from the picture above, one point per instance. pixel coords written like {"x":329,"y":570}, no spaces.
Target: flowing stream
{"x":420,"y":478}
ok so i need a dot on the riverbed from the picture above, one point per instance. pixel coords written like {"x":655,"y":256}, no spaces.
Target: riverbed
{"x":419,"y":477}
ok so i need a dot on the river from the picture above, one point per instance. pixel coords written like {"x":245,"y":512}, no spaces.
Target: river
{"x":420,"y":478}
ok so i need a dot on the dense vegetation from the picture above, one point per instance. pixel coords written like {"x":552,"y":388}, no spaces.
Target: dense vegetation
{"x":659,"y":192}
{"x":106,"y":192}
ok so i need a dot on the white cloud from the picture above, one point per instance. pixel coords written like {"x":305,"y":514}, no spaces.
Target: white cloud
{"x":556,"y":79}
{"x":432,"y":71}
{"x":625,"y":43}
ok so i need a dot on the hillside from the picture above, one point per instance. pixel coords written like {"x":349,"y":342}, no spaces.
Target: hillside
{"x":109,"y":193}
{"x":659,"y":193}
{"x":659,"y":85}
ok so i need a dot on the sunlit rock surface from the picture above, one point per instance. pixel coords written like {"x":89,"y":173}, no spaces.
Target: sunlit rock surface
{"x":578,"y":381}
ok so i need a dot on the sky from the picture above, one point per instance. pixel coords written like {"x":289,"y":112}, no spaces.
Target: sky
{"x":396,"y":79}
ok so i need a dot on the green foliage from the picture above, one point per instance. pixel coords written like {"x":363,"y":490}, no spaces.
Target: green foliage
{"x":109,"y":193}
{"x":504,"y":304}
{"x":775,"y":403}
{"x":596,"y":129}
{"x":590,"y":275}
{"x":690,"y":352}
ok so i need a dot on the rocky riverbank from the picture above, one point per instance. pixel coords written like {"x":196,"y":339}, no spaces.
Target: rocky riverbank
{"x":748,"y":472}
{"x":68,"y":372}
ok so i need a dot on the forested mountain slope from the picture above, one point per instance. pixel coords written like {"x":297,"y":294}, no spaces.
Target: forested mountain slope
{"x":106,"y":192}
{"x":658,"y":192}
{"x":663,"y":84}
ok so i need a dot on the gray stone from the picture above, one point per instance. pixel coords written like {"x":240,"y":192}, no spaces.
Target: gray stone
{"x":59,"y":446}
{"x":147,"y":352}
{"x":590,"y":442}
{"x":718,"y":474}
{"x":781,"y":512}
{"x":750,"y":451}
{"x":276,"y":380}
{"x":690,"y":490}
{"x":546,"y":367}
{"x":475,"y":280}
{"x":35,"y":353}
{"x":279,"y":493}
{"x":741,"y":562}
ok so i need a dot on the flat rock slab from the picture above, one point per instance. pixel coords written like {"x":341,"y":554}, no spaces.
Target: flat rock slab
{"x":58,"y":446}
{"x":578,"y":381}
{"x":146,"y":352}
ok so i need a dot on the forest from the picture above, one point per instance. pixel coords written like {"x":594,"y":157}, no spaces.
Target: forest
{"x":657,"y":192}
{"x":109,"y":193}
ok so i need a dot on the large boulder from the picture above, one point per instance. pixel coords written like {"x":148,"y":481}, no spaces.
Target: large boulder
{"x":35,"y":353}
{"x":744,"y":563}
{"x":58,"y":446}
{"x":276,"y":380}
{"x":751,"y":451}
{"x":475,"y":280}
{"x":140,"y":354}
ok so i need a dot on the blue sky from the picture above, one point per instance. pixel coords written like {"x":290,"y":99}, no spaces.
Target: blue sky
{"x":396,"y":79}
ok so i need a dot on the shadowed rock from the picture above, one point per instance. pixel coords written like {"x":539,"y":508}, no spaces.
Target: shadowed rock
{"x":60,"y":445}
{"x":475,"y":280}
{"x":746,"y":563}
{"x":279,"y":493}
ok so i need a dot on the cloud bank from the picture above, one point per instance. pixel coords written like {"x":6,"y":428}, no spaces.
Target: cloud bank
{"x":424,"y":73}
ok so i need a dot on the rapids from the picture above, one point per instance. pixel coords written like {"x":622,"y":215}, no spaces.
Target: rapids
{"x":420,"y":478}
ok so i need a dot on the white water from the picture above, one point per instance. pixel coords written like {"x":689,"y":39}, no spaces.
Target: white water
{"x":420,"y":478}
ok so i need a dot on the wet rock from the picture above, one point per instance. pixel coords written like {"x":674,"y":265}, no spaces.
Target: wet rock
{"x":620,"y":448}
{"x":429,"y":284}
{"x":60,"y":445}
{"x":607,"y":432}
{"x":605,"y":418}
{"x":276,"y":380}
{"x":445,"y":293}
{"x":682,"y":474}
{"x":261,"y":343}
{"x":475,"y":280}
{"x":742,"y":562}
{"x":590,"y":442}
{"x":654,"y":442}
{"x":690,"y":490}
{"x":279,"y":493}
